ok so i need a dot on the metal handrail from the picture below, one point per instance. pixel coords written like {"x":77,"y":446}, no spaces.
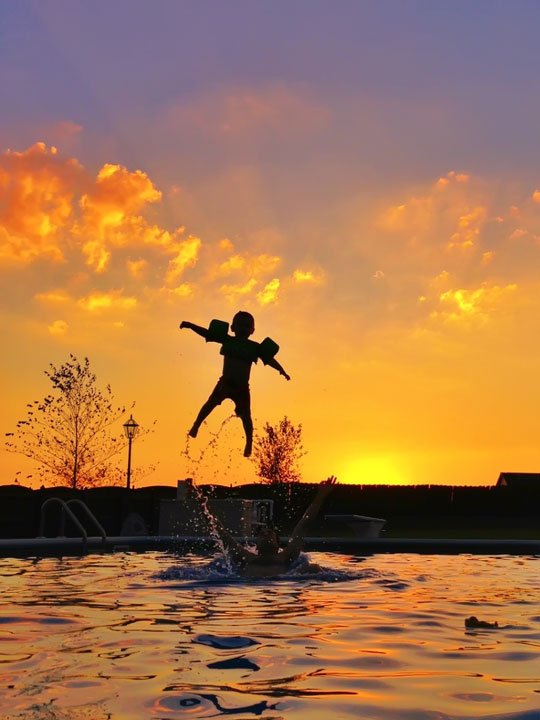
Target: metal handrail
{"x":65,"y":510}
{"x":90,"y":515}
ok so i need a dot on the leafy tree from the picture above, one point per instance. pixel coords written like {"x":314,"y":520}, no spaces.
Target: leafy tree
{"x":68,"y":433}
{"x":277,"y":452}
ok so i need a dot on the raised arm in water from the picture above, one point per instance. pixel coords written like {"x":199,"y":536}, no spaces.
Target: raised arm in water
{"x":294,"y":546}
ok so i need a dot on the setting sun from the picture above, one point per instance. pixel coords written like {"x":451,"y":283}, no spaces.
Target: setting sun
{"x":372,"y":470}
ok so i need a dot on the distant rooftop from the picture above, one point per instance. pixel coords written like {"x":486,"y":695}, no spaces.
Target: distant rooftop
{"x":519,"y":480}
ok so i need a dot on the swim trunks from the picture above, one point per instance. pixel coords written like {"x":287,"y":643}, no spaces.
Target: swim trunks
{"x":225,"y":389}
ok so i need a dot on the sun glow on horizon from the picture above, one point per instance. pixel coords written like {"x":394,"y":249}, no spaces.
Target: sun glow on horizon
{"x":373,"y":470}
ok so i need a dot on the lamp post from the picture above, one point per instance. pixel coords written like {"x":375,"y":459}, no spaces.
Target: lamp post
{"x":131,"y":428}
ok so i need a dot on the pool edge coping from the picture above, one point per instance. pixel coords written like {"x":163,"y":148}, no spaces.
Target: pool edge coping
{"x":63,"y":546}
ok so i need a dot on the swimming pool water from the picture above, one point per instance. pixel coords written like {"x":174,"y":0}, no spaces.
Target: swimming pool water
{"x":129,"y":636}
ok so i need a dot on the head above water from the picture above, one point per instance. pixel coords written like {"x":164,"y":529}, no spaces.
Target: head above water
{"x":243,"y":324}
{"x":267,"y":542}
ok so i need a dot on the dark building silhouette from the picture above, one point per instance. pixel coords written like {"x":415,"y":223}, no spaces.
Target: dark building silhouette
{"x":520,"y":481}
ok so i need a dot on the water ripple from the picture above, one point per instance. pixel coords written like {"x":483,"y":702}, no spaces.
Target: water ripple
{"x":381,"y":638}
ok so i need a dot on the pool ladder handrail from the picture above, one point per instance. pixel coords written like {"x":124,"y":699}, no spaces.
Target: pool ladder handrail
{"x":66,"y":510}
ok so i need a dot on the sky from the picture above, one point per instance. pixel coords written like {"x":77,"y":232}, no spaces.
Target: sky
{"x":362,"y":176}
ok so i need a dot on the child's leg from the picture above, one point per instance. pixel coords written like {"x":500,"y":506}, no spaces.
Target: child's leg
{"x":204,"y":412}
{"x":247,"y":422}
{"x":216,"y":398}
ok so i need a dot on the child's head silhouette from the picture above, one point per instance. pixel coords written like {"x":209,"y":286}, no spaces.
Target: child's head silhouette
{"x":243,"y":324}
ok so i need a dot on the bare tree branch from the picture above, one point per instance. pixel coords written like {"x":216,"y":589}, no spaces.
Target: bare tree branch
{"x":68,"y":433}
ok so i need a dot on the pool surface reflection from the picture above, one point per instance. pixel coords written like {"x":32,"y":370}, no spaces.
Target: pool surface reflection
{"x":154,"y":635}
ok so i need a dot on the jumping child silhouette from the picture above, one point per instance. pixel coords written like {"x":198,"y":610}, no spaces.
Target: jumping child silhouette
{"x":239,"y":353}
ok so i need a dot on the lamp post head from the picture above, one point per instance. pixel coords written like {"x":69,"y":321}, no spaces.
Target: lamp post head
{"x":131,"y":428}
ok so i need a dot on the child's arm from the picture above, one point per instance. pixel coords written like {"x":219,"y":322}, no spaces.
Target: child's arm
{"x":274,"y":363}
{"x":294,"y":546}
{"x":203,"y":332}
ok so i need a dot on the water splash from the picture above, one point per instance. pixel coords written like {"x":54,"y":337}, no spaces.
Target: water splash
{"x":217,"y":572}
{"x":193,"y":466}
{"x":214,"y":532}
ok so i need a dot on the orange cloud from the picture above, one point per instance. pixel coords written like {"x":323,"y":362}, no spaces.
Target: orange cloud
{"x":55,"y":296}
{"x":186,"y":253}
{"x":37,"y":188}
{"x":51,"y":208}
{"x":478,"y":305}
{"x":252,"y":265}
{"x":182,"y":291}
{"x":263,"y":264}
{"x":236,"y":262}
{"x":308,"y":276}
{"x":448,"y":212}
{"x":460,"y":252}
{"x":231,"y":291}
{"x":111,"y":204}
{"x":107,"y":301}
{"x":58,"y":327}
{"x":469,"y":226}
{"x":270,"y":292}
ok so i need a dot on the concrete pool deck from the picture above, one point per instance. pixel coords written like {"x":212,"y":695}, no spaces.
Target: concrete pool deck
{"x":63,"y":546}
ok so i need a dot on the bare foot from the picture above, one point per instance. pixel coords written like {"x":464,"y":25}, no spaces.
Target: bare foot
{"x":247,"y":450}
{"x":193,"y":432}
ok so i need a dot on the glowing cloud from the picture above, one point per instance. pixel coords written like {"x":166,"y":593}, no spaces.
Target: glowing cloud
{"x":478,"y":304}
{"x":186,"y":255}
{"x":308,"y":277}
{"x":449,"y":212}
{"x":117,"y":195}
{"x":183,"y":290}
{"x":469,"y":226}
{"x":95,"y":229}
{"x":253,"y":265}
{"x":263,"y":264}
{"x":231,"y":291}
{"x":270,"y":293}
{"x":58,"y":327}
{"x":236,"y":262}
{"x":36,"y":193}
{"x":58,"y":296}
{"x":107,"y":301}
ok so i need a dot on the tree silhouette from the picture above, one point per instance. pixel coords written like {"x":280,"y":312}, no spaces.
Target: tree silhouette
{"x":277,"y":452}
{"x":68,"y":433}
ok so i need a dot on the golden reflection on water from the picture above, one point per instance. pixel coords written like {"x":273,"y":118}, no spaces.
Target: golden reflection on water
{"x":157,"y":636}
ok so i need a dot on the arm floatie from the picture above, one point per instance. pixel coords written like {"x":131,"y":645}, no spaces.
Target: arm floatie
{"x":268,"y":349}
{"x":218,"y":331}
